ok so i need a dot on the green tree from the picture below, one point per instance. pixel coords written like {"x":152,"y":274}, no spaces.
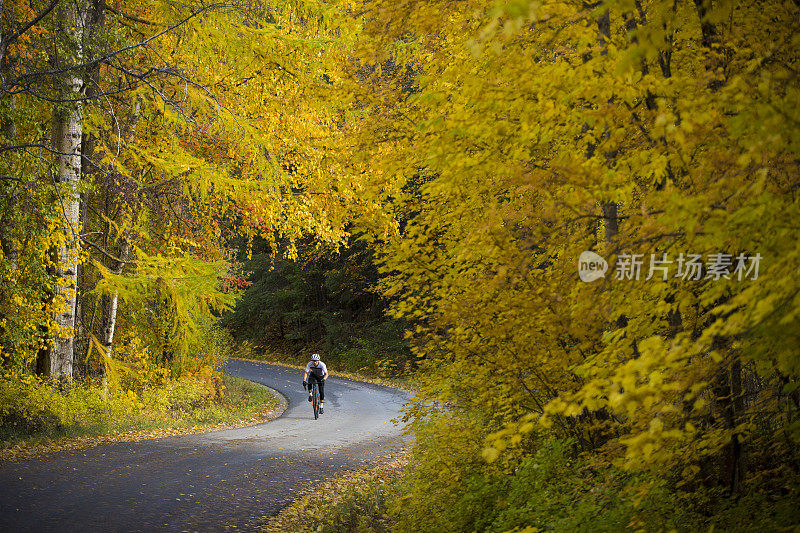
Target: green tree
{"x":326,"y":299}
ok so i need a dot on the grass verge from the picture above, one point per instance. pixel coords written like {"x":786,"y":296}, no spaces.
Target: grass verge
{"x":245,"y":403}
{"x":356,"y":501}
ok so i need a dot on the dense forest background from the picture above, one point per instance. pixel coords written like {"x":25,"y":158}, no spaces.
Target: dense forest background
{"x":408,"y":186}
{"x":326,"y":300}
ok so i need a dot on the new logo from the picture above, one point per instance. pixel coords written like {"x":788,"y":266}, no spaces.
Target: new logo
{"x":591,"y":266}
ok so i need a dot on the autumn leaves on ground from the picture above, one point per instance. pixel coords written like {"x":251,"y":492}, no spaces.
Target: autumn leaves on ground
{"x":571,"y":225}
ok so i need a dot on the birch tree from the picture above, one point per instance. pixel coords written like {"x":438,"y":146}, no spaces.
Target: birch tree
{"x":67,"y":143}
{"x":219,"y":139}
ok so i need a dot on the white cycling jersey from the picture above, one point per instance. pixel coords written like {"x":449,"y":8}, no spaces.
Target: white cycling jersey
{"x":311,"y":369}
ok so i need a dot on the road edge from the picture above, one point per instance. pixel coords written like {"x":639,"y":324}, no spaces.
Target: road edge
{"x":309,"y":507}
{"x":23,"y":452}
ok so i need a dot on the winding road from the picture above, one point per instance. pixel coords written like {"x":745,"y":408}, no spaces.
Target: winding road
{"x":219,"y":481}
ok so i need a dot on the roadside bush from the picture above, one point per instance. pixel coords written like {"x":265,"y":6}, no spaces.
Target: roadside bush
{"x":29,"y":405}
{"x":32,"y":406}
{"x":355,"y":502}
{"x":553,"y":491}
{"x":361,"y":356}
{"x":190,"y":392}
{"x":446,"y":467}
{"x":364,"y":508}
{"x":550,"y":488}
{"x":184,"y":395}
{"x":136,"y":368}
{"x":25,"y":408}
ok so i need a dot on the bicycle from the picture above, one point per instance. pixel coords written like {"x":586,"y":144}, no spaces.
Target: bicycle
{"x":315,"y":397}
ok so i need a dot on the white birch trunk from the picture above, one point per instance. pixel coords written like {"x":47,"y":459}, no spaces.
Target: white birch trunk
{"x":110,"y":304}
{"x":109,"y":324}
{"x":67,"y":138}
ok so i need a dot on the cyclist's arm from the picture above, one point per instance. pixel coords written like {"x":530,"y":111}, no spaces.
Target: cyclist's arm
{"x":325,"y":376}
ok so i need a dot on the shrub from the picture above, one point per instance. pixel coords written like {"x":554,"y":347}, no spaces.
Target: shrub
{"x":364,"y":508}
{"x":188,"y":393}
{"x":30,"y":405}
{"x":25,"y":406}
{"x":553,"y":489}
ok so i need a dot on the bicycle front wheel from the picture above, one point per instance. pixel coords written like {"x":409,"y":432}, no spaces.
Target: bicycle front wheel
{"x":315,"y":401}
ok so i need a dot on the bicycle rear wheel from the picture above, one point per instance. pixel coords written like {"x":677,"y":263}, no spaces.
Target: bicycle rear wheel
{"x":315,"y":400}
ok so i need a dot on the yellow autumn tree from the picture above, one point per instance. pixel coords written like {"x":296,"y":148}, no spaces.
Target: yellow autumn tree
{"x":662,"y":136}
{"x":197,"y":119}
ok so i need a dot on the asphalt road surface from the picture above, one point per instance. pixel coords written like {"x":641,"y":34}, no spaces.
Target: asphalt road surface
{"x":228,"y":480}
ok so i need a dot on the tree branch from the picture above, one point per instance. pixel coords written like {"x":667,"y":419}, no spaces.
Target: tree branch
{"x":117,"y":52}
{"x":125,"y":15}
{"x":105,"y":253}
{"x":26,"y":27}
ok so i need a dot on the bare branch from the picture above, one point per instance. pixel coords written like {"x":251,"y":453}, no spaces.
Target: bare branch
{"x":117,"y":52}
{"x":125,"y":15}
{"x":105,"y":253}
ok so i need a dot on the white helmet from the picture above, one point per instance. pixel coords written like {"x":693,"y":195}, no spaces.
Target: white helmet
{"x":315,"y":357}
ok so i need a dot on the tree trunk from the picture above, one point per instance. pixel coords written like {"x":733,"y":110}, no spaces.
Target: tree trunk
{"x":717,"y":53}
{"x":82,"y":337}
{"x":735,"y":460}
{"x":729,"y":400}
{"x":610,"y":220}
{"x":10,"y":190}
{"x":95,"y":19}
{"x":110,"y":304}
{"x":67,"y":136}
{"x":609,"y":208}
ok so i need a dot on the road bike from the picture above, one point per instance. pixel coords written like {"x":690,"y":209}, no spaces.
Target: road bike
{"x":314,"y":397}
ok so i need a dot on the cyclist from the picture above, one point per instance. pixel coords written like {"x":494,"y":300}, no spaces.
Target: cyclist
{"x":316,"y":370}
